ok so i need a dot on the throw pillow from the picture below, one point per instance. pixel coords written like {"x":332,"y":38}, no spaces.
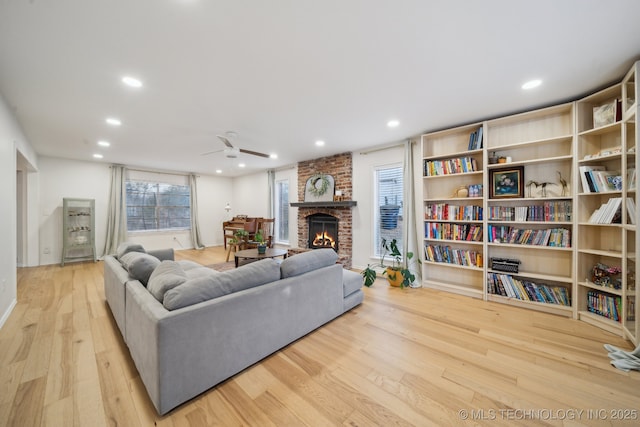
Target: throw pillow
{"x":126,"y":247}
{"x":139,"y":265}
{"x":165,"y":277}
{"x":208,"y":287}
{"x":307,"y":261}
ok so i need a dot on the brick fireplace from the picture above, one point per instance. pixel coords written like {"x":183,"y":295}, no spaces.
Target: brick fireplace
{"x":340,"y":166}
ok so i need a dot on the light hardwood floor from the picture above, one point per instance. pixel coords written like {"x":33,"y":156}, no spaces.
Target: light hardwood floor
{"x":404,"y":357}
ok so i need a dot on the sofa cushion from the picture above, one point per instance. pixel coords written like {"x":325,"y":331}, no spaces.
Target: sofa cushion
{"x":194,"y":273}
{"x":165,"y":277}
{"x":188,"y":264}
{"x":307,"y":261}
{"x":126,"y":247}
{"x":208,"y":287}
{"x":351,"y":282}
{"x":140,"y":265}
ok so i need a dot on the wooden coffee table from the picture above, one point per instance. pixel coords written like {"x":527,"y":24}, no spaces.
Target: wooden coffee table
{"x":253,"y":254}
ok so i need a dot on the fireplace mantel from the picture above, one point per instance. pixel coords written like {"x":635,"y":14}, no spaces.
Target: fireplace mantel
{"x":327,"y":204}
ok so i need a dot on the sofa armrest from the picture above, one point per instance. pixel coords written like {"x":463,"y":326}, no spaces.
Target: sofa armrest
{"x":163,"y":254}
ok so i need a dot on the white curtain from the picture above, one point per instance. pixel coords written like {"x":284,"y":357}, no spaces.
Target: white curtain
{"x":196,"y":241}
{"x":271,"y":174}
{"x":117,"y":210}
{"x":410,"y":233}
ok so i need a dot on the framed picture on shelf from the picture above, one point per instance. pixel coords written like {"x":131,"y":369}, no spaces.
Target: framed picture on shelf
{"x":506,"y":182}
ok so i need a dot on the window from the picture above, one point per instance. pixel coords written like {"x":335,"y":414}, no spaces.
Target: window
{"x":156,"y":205}
{"x":388,"y":221}
{"x":282,"y":211}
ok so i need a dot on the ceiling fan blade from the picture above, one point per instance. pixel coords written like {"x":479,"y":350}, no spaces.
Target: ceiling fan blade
{"x":255,"y":153}
{"x":225,"y":140}
{"x":212,"y":152}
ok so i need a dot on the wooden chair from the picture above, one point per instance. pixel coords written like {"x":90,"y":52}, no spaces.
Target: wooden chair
{"x":265,"y":225}
{"x":229,"y":228}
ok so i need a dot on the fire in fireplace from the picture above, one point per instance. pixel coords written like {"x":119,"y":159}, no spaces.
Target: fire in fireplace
{"x":323,"y":231}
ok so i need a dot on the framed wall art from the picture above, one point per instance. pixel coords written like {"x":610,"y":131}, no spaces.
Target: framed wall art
{"x":506,"y":182}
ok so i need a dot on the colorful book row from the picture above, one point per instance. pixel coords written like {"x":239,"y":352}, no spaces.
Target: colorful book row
{"x":447,"y":212}
{"x":552,"y":211}
{"x":604,"y":305}
{"x":554,"y":237}
{"x":509,"y":286}
{"x":444,"y":254}
{"x":447,"y":231}
{"x":450,"y":166}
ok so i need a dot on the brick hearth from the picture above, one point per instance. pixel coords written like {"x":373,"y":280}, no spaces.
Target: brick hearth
{"x":340,"y":167}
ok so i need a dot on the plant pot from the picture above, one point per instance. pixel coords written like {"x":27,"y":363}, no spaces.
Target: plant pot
{"x":262,"y":249}
{"x":394,"y":277}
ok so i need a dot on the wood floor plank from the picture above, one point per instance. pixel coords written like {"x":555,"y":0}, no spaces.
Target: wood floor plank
{"x":28,"y":403}
{"x":403,"y":357}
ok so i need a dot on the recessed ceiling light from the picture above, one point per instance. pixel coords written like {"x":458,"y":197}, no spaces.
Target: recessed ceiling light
{"x":241,"y":165}
{"x":393,"y":123}
{"x":531,"y":84}
{"x":320,"y":143}
{"x":218,"y":170}
{"x":113,"y":121}
{"x":273,"y":156}
{"x":104,"y":143}
{"x":131,"y":81}
{"x":97,"y":156}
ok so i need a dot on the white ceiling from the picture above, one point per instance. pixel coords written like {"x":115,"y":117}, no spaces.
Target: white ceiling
{"x":285,"y":73}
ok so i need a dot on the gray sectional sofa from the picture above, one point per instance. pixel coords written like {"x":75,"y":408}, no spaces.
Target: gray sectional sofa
{"x":189,"y":327}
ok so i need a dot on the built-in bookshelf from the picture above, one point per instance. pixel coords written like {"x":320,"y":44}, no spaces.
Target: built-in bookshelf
{"x":453,"y":207}
{"x":606,"y":161}
{"x":534,"y":223}
{"x":552,"y":191}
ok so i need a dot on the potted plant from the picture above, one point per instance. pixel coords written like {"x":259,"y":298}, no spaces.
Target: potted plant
{"x":241,"y":237}
{"x":259,"y":238}
{"x":398,"y":273}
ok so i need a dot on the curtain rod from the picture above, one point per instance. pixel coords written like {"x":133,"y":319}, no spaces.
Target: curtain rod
{"x":156,"y":171}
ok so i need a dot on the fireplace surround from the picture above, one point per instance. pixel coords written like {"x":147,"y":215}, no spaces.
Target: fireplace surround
{"x":340,"y":167}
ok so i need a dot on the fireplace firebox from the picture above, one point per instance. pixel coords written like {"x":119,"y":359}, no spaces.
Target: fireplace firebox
{"x":323,"y":231}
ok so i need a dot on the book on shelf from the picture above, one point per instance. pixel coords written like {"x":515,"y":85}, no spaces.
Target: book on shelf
{"x":447,"y":212}
{"x":549,"y":211}
{"x":605,"y":305}
{"x":449,"y":166}
{"x":552,"y":237}
{"x":475,"y":139}
{"x":449,"y":231}
{"x":600,"y":180}
{"x":513,"y":287}
{"x":631,"y":211}
{"x":587,"y":179}
{"x":447,"y":255}
{"x":609,"y":212}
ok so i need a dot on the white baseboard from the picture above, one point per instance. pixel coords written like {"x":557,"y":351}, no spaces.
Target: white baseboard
{"x":7,"y":313}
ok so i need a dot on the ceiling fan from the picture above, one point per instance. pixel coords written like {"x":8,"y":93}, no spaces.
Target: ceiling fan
{"x":230,"y":151}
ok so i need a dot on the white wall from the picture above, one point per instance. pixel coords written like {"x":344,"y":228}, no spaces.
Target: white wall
{"x":60,"y":178}
{"x":251,"y":195}
{"x":363,"y":192}
{"x":12,"y":139}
